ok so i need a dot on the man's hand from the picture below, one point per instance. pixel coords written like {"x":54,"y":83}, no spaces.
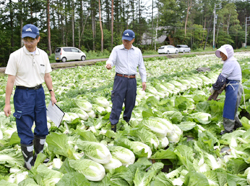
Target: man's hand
{"x":212,"y":90}
{"x":53,"y":100}
{"x":108,"y":66}
{"x":144,"y":86}
{"x":52,"y":97}
{"x":9,"y":88}
{"x":7,"y":110}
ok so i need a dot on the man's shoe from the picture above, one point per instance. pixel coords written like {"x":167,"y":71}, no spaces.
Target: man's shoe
{"x":224,"y":132}
{"x":38,"y":146}
{"x":27,"y":151}
{"x":113,"y":127}
{"x":237,"y":125}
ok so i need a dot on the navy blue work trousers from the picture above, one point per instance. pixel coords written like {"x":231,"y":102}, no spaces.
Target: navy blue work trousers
{"x":124,"y":91}
{"x":30,"y":107}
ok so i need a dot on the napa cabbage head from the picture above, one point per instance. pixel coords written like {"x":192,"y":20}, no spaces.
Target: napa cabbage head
{"x":164,"y":142}
{"x":201,"y":117}
{"x":84,"y":105}
{"x":247,"y":173}
{"x":137,"y":146}
{"x":124,"y":155}
{"x":92,"y":170}
{"x":113,"y":164}
{"x":81,"y":113}
{"x":156,"y":127}
{"x":95,"y":151}
{"x":146,"y":137}
{"x":101,"y":101}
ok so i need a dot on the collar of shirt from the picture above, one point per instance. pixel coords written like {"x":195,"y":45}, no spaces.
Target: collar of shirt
{"x":123,"y":48}
{"x":30,"y":53}
{"x":231,"y":59}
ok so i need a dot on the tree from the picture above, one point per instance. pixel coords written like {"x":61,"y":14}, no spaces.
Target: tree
{"x":93,"y":22}
{"x":73,"y":23}
{"x":48,"y":28}
{"x":100,"y":20}
{"x":112,"y":23}
{"x":228,"y":23}
{"x":189,"y":5}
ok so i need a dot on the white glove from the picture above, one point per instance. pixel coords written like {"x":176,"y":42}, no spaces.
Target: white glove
{"x":212,"y":90}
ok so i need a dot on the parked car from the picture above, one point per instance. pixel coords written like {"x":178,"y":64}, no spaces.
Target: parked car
{"x":183,"y":48}
{"x":168,"y":49}
{"x":69,"y":53}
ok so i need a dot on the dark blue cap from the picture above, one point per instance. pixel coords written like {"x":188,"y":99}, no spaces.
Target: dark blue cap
{"x":128,"y":35}
{"x":30,"y":30}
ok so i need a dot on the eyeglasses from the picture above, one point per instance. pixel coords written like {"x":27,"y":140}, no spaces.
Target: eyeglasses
{"x":29,"y":42}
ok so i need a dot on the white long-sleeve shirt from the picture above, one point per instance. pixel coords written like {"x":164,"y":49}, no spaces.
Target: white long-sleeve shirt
{"x":126,"y":61}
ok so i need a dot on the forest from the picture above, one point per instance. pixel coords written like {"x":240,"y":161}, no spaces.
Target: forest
{"x":97,"y":25}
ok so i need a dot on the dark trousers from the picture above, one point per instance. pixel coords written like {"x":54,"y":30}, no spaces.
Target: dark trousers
{"x":30,"y":107}
{"x":124,"y":91}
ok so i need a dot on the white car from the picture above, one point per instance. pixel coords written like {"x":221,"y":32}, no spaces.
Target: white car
{"x":168,"y":49}
{"x":183,"y":48}
{"x":69,"y":53}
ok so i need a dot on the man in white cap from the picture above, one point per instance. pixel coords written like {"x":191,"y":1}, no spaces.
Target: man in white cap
{"x":231,"y":76}
{"x":126,"y":58}
{"x":27,"y":69}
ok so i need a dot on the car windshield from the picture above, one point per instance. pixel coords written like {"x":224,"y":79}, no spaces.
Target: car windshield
{"x":181,"y":46}
{"x":58,"y":50}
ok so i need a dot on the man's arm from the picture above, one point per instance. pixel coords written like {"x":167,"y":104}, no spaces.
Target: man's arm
{"x":48,"y":81}
{"x":142,"y":71}
{"x":112,"y":59}
{"x":9,"y":88}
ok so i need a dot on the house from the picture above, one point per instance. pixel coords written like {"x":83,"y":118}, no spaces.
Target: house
{"x":165,"y":38}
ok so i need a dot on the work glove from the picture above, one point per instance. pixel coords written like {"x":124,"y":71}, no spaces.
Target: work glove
{"x":212,"y":90}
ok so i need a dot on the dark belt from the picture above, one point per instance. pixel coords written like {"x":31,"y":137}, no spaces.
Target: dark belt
{"x":126,"y":76}
{"x":30,"y":88}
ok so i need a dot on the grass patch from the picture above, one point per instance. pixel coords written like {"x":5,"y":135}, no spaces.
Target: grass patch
{"x":150,"y":52}
{"x":52,"y":58}
{"x":155,"y":58}
{"x":188,"y":55}
{"x":100,"y":63}
{"x":208,"y":48}
{"x":243,"y":49}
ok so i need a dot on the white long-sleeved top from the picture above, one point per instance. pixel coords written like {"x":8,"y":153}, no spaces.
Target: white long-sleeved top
{"x":126,"y":61}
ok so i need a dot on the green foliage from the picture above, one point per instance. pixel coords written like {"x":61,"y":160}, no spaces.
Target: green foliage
{"x":171,"y":18}
{"x":224,"y":38}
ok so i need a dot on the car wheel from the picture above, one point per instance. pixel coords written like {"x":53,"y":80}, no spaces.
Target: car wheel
{"x":184,"y":51}
{"x":64,"y":59}
{"x":168,"y":52}
{"x":83,"y":58}
{"x":176,"y":52}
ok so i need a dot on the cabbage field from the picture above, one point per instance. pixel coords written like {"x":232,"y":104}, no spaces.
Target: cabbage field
{"x":172,"y":139}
